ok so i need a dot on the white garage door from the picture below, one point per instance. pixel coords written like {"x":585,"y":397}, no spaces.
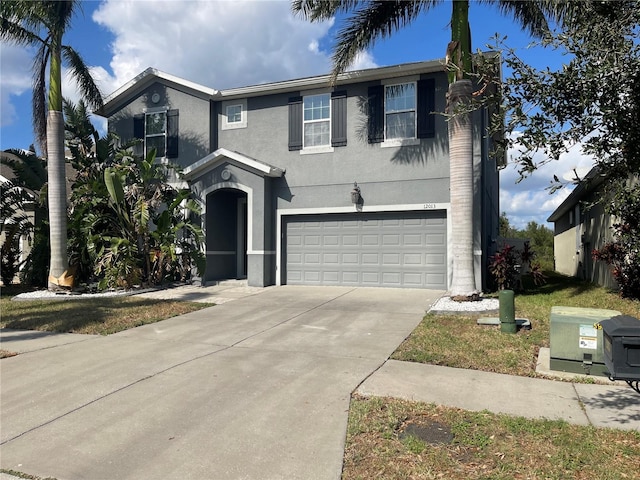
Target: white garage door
{"x":390,"y":249}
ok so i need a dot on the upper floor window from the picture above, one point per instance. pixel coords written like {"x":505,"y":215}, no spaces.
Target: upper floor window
{"x":317,"y":120}
{"x":158,"y":128}
{"x":234,"y":114}
{"x":400,"y":111}
{"x":155,"y":133}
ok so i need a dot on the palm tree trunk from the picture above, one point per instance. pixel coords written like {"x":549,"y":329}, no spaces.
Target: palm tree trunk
{"x":461,"y":190}
{"x":461,"y":153}
{"x":57,"y":183}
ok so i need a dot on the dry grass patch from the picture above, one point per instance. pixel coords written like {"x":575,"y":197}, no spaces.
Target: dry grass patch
{"x":483,"y":445}
{"x":457,"y":341}
{"x":101,"y":316}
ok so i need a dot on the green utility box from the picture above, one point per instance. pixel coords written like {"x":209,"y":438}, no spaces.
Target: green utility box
{"x":576,"y":339}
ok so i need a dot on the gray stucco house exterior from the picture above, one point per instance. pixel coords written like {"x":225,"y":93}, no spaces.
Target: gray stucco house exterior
{"x":275,"y":166}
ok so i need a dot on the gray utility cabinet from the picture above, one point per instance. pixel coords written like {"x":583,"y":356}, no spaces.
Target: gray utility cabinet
{"x":576,"y":339}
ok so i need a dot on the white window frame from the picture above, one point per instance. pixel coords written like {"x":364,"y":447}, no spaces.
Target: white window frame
{"x":327,"y":148}
{"x":226,"y":124}
{"x":398,"y":142}
{"x":152,"y":111}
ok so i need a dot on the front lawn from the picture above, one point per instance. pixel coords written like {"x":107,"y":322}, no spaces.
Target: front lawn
{"x":101,"y":316}
{"x":457,"y":341}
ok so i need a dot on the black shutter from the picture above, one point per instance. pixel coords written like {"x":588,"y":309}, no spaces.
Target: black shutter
{"x":138,"y":126}
{"x":295,"y":123}
{"x":172,"y":134}
{"x":339,"y":119}
{"x":426,"y":105}
{"x":138,"y":132}
{"x":376,"y":114}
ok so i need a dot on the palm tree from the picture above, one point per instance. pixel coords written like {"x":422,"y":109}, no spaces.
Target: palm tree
{"x":42,"y":24}
{"x":370,"y":20}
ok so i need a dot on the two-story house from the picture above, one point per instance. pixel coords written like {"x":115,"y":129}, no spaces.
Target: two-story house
{"x":302,"y":182}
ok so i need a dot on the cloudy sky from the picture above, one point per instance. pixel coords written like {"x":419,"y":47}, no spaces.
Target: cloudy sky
{"x":225,"y":44}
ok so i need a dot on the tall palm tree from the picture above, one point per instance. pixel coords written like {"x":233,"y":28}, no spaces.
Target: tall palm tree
{"x":370,"y":20}
{"x":42,"y":24}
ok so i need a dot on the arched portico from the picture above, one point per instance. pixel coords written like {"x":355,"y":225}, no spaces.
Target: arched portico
{"x":238,"y":217}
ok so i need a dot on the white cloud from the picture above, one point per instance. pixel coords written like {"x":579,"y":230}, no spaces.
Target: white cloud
{"x":15,"y":64}
{"x":530,"y":199}
{"x":218,"y":44}
{"x":362,"y":61}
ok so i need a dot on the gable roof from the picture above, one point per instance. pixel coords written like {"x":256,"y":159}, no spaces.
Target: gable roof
{"x":139,"y":83}
{"x":243,"y":161}
{"x":134,"y":87}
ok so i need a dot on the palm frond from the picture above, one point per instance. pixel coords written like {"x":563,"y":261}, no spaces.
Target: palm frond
{"x":19,"y":22}
{"x":373,"y":21}
{"x":318,"y":10}
{"x":29,"y":169}
{"x":88,"y":88}
{"x":39,"y":97}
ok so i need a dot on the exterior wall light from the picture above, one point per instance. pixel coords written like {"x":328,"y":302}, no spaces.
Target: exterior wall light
{"x":355,"y":194}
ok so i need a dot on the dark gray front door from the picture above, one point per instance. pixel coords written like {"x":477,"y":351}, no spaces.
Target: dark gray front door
{"x":390,"y":249}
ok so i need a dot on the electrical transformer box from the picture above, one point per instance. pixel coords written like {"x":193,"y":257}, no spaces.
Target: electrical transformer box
{"x":576,"y":339}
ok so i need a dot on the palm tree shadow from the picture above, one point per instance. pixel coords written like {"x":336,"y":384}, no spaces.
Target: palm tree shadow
{"x":427,"y":150}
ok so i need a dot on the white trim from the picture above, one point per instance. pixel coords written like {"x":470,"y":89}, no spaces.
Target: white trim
{"x":236,"y":186}
{"x":318,"y":149}
{"x":214,"y":158}
{"x":261,"y":252}
{"x":280,"y":212}
{"x":400,"y":142}
{"x":226,"y":125}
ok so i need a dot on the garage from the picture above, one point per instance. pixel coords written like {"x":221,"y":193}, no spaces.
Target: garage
{"x":383,"y":249}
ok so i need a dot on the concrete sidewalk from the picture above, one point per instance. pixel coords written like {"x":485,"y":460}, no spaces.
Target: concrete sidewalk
{"x":600,"y":405}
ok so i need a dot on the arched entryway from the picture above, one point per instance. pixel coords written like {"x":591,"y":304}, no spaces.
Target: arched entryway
{"x":226,"y":235}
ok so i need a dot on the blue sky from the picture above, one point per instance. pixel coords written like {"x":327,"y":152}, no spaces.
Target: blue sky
{"x":224,"y":44}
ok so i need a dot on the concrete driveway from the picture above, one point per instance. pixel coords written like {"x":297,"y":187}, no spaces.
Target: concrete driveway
{"x":256,"y":388}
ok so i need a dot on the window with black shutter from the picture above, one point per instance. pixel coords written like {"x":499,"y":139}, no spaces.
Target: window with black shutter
{"x":402,"y":111}
{"x":158,"y":129}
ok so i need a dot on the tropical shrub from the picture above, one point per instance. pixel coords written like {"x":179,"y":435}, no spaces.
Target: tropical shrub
{"x":509,"y":264}
{"x":129,"y":226}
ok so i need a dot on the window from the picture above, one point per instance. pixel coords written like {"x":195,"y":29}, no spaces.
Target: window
{"x":316,"y":120}
{"x":234,"y":114}
{"x":400,"y":111}
{"x":155,"y":130}
{"x":317,"y":123}
{"x":158,"y":129}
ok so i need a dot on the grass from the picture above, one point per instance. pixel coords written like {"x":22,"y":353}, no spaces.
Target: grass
{"x":483,"y":446}
{"x":457,"y":341}
{"x":98,"y":316}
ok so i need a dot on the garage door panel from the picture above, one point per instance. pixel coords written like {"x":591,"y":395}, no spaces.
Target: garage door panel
{"x":393,"y":249}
